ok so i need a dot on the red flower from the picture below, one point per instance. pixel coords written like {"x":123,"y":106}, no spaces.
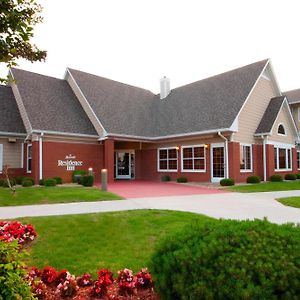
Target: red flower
{"x":49,"y":275}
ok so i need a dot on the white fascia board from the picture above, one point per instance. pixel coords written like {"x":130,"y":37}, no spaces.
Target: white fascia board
{"x":14,"y":134}
{"x":64,"y":133}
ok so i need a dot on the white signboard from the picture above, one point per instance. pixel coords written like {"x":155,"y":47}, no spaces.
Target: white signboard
{"x":70,"y":162}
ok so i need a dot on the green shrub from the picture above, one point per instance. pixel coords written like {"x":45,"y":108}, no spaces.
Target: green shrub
{"x":87,"y":180}
{"x":229,"y":259}
{"x":12,"y":275}
{"x":181,"y":180}
{"x":19,"y":179}
{"x":12,"y":182}
{"x":76,"y":175}
{"x":290,"y":177}
{"x":58,"y":180}
{"x":50,"y":182}
{"x":26,"y":183}
{"x":165,"y":178}
{"x":253,"y":179}
{"x":29,"y":178}
{"x":276,"y":178}
{"x":42,"y":182}
{"x":298,"y":176}
{"x":227,"y":182}
{"x":1,"y":181}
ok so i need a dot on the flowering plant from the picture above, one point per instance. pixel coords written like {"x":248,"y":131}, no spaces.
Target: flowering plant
{"x":105,"y":278}
{"x":68,"y":287}
{"x":39,"y":289}
{"x":126,"y":282}
{"x":49,"y":275}
{"x":84,"y":280}
{"x":14,"y":230}
{"x":144,"y":279}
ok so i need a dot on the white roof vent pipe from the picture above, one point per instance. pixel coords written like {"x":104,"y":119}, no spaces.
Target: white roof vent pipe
{"x":164,"y":87}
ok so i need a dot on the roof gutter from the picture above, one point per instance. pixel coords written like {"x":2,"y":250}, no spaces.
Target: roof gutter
{"x":226,"y":154}
{"x":63,"y":133}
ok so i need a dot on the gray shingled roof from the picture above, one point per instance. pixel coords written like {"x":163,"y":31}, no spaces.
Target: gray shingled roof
{"x":293,"y":96}
{"x":270,"y":115}
{"x":209,"y":104}
{"x":10,"y":120}
{"x":51,"y":104}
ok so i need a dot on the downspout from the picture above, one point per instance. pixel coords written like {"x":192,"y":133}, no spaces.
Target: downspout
{"x":264,"y":157}
{"x":41,"y":155}
{"x":226,"y":154}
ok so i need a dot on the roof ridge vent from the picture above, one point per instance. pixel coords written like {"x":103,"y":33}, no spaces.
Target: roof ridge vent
{"x":164,"y":87}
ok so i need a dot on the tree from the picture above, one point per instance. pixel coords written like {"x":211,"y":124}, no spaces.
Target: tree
{"x":17,"y":18}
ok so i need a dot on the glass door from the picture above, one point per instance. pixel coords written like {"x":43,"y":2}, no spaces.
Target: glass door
{"x":124,"y":164}
{"x":217,"y":162}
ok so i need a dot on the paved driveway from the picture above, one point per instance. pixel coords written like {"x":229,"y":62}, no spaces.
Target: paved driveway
{"x":142,"y":188}
{"x":226,"y":205}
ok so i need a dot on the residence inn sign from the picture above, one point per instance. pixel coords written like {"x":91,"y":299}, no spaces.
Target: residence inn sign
{"x":69,"y":162}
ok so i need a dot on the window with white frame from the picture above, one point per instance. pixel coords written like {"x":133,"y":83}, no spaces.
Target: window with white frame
{"x":281,"y":129}
{"x":246,"y":158}
{"x":283,"y":158}
{"x":29,"y":158}
{"x":1,"y":158}
{"x":167,"y":159}
{"x":298,"y":160}
{"x":193,"y":158}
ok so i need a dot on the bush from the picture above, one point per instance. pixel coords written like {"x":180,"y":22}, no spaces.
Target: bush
{"x":290,"y":177}
{"x":19,"y":179}
{"x":12,"y":274}
{"x":229,"y":259}
{"x":26,"y":183}
{"x":276,"y":178}
{"x":12,"y":182}
{"x":50,"y":182}
{"x":41,"y":182}
{"x":253,"y":179}
{"x":227,"y":182}
{"x":58,"y":180}
{"x":76,"y":175}
{"x":181,"y":180}
{"x":165,"y":178}
{"x":87,"y":180}
{"x":298,"y":176}
{"x":29,"y":178}
{"x":1,"y":181}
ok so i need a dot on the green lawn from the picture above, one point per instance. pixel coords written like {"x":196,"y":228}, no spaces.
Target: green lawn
{"x":85,"y":243}
{"x":266,"y":187}
{"x":290,"y":201}
{"x":43,"y":195}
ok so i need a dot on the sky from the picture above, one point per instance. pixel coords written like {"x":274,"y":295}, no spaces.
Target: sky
{"x":139,"y":41}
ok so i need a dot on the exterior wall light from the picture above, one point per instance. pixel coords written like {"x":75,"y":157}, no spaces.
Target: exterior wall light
{"x":177,"y":148}
{"x":205,"y":146}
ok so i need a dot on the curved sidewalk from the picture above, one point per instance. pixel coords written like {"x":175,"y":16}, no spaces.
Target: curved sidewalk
{"x":227,"y":205}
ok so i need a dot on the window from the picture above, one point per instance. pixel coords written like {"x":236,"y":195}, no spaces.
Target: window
{"x":193,"y":158}
{"x":1,"y":158}
{"x":298,"y":160}
{"x":167,"y":159}
{"x":281,"y":129}
{"x":246,"y":158}
{"x":283,"y":158}
{"x":29,"y":158}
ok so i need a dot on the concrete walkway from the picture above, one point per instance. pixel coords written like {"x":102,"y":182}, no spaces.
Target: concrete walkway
{"x":226,"y":205}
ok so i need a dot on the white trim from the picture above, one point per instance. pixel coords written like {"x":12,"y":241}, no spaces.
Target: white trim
{"x":28,"y":171}
{"x":64,"y":133}
{"x":1,"y":158}
{"x":22,"y":155}
{"x":280,"y":145}
{"x":276,"y":153}
{"x":193,"y":170}
{"x":251,"y":159}
{"x":265,"y":157}
{"x":13,"y":134}
{"x":216,"y":145}
{"x":158,"y":159}
{"x":41,"y":156}
{"x":281,"y":134}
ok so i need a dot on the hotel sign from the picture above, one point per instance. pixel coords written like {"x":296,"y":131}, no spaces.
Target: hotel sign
{"x":70,"y":162}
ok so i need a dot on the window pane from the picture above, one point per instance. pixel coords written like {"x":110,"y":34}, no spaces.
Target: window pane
{"x":188,"y":164}
{"x":199,"y":152}
{"x":289,"y":158}
{"x":29,"y":151}
{"x":187,"y":153}
{"x":248,"y":157}
{"x":173,"y":164}
{"x":281,"y":129}
{"x":282,"y":158}
{"x":242,"y":158}
{"x":172,"y":153}
{"x":275,"y":158}
{"x":199,"y":164}
{"x":163,"y":165}
{"x":29,"y":165}
{"x":298,"y":159}
{"x":163,"y":154}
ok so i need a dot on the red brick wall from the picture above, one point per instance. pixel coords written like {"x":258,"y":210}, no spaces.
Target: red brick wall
{"x":90,"y":154}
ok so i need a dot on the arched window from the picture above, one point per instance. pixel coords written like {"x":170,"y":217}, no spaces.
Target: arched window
{"x":281,"y":129}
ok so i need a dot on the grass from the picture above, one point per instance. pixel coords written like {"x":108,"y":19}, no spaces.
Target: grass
{"x":85,"y":243}
{"x":44,"y":195}
{"x":290,"y":201}
{"x":266,"y":187}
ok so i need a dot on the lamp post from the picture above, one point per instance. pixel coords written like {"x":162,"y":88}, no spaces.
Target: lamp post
{"x":104,"y":180}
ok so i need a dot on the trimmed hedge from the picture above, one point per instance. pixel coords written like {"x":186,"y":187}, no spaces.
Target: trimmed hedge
{"x":181,"y":180}
{"x":229,"y":259}
{"x":77,"y":175}
{"x":1,"y":182}
{"x":298,"y":176}
{"x":42,"y":182}
{"x":19,"y":179}
{"x":87,"y":180}
{"x":26,"y":183}
{"x":227,"y":182}
{"x":50,"y":182}
{"x":276,"y":178}
{"x":165,"y":178}
{"x":253,"y":179}
{"x":58,"y":180}
{"x":29,"y":178}
{"x":12,"y":182}
{"x":290,"y":177}
{"x":12,"y":273}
